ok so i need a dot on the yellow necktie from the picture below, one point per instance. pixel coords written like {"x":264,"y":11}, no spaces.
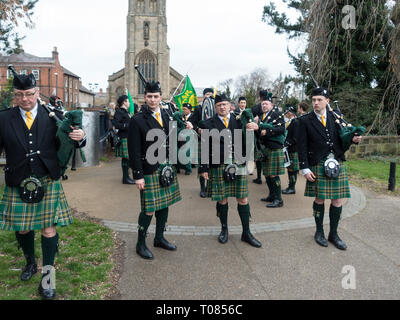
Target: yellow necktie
{"x":159,"y":119}
{"x":323,"y":121}
{"x":264,"y":116}
{"x":226,"y":122}
{"x":29,"y":120}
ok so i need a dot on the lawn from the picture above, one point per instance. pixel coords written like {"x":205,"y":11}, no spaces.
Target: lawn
{"x":85,"y":266}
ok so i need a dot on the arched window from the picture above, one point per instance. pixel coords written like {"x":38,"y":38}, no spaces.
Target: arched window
{"x":146,"y":30}
{"x":140,"y":5}
{"x":153,"y":6}
{"x":147,"y":63}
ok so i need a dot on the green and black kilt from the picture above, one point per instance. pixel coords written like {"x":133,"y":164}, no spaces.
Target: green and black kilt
{"x":53,"y":210}
{"x":219,"y":189}
{"x":274,"y":163}
{"x":294,"y":165}
{"x":325,"y":188}
{"x":122,"y":150}
{"x":154,"y":197}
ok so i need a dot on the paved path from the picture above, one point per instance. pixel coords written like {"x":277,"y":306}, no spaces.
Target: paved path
{"x":288,"y":266}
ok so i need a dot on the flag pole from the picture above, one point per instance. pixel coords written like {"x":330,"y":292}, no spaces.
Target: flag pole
{"x":173,"y":95}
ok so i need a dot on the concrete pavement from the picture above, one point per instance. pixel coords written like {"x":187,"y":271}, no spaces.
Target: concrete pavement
{"x":288,"y":266}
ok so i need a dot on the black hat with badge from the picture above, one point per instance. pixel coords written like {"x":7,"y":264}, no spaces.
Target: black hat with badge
{"x":267,"y":97}
{"x":320,"y":92}
{"x":187,"y":105}
{"x":21,"y":81}
{"x":291,"y":108}
{"x":207,"y":90}
{"x":152,"y":87}
{"x":220,"y":98}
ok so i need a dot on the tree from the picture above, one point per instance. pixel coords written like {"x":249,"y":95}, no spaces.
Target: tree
{"x":12,"y":14}
{"x":352,"y":62}
{"x":6,"y":95}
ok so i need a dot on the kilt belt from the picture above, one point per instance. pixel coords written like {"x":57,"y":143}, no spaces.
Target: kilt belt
{"x":53,"y":210}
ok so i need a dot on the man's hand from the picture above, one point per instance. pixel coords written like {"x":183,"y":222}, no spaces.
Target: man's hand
{"x":205,"y":175}
{"x":264,"y":132}
{"x":257,"y":119}
{"x":77,"y":134}
{"x":252,"y":126}
{"x":189,"y":126}
{"x":310,"y":177}
{"x":357,"y":139}
{"x":140,"y":184}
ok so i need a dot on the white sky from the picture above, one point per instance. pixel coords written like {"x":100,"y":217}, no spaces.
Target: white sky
{"x":210,"y":40}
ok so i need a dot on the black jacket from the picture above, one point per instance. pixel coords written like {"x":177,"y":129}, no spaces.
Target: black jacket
{"x":18,"y":142}
{"x":315,"y":142}
{"x":291,"y":138}
{"x":121,"y":122}
{"x":279,"y":129}
{"x":216,"y":123}
{"x":140,"y":124}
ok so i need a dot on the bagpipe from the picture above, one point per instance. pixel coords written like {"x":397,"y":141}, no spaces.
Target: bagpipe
{"x":67,"y":145}
{"x":347,"y":131}
{"x":207,"y":108}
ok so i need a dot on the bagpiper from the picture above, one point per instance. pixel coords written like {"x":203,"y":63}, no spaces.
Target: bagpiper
{"x":226,"y":178}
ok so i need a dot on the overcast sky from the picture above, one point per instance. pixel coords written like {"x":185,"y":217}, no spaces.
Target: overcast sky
{"x":210,"y":40}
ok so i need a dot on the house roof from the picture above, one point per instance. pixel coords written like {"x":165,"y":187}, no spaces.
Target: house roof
{"x":24,"y":58}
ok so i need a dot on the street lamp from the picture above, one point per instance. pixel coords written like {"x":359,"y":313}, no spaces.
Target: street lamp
{"x":56,"y":93}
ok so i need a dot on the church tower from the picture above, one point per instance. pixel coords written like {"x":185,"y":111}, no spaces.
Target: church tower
{"x":147,"y":47}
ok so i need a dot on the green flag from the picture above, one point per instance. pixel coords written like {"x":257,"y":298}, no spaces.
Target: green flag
{"x":188,"y":95}
{"x":131,"y":104}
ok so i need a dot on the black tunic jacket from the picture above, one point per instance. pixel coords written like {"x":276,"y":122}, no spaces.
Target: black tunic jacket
{"x":276,"y":131}
{"x":19,"y":142}
{"x":315,"y":142}
{"x":121,"y":122}
{"x":291,"y":138}
{"x":139,"y":126}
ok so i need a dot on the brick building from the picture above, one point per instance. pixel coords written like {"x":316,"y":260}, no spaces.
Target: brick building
{"x":51,"y":77}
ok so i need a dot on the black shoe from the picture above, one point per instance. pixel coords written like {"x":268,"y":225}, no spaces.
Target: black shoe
{"x":178,"y":171}
{"x":275,"y":204}
{"x":249,"y":238}
{"x":128,"y":181}
{"x":223,"y":236}
{"x":320,"y":239}
{"x":187,"y":173}
{"x":65,"y":177}
{"x":337,"y":242}
{"x":203,"y":194}
{"x":289,"y":191}
{"x":257,"y":181}
{"x":73,"y":169}
{"x":144,"y":252}
{"x":47,"y":294}
{"x":164,"y":244}
{"x":268,"y":199}
{"x":29,"y":271}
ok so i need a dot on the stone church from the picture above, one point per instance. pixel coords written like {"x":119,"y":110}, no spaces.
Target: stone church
{"x":147,"y":47}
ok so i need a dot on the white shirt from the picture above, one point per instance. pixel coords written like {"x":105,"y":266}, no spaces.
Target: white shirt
{"x":319,"y":117}
{"x":228,"y":117}
{"x":33,"y":112}
{"x":155,"y":116}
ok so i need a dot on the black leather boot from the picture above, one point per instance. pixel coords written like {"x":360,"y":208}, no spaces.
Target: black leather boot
{"x":203,"y":193}
{"x":159,"y":240}
{"x":27,"y":243}
{"x":125,"y":173}
{"x":164,"y":244}
{"x":292,"y":183}
{"x":29,"y":271}
{"x":249,"y":238}
{"x":334,"y":217}
{"x":141,"y":248}
{"x":244,"y":213}
{"x":222,"y":214}
{"x":224,"y":235}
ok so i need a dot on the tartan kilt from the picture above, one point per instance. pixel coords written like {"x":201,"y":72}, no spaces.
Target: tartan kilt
{"x":218,"y":189}
{"x":154,"y":197}
{"x":294,"y":157}
{"x":325,"y":188}
{"x":122,"y":150}
{"x":53,"y":210}
{"x":274,"y":164}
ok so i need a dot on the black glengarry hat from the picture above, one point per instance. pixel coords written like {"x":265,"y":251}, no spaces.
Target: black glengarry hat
{"x":220,"y":98}
{"x":21,"y":81}
{"x":152,"y":87}
{"x":320,"y":92}
{"x":267,"y":97}
{"x":207,"y":90}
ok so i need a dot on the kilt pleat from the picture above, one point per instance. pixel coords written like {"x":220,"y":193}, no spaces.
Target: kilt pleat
{"x":122,"y":150}
{"x":16,"y":215}
{"x":325,"y":188}
{"x":154,"y":197}
{"x":274,"y":164}
{"x":218,"y":189}
{"x":295,"y":165}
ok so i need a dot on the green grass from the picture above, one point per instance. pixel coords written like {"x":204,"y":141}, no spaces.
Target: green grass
{"x":372,"y":173}
{"x":83,"y":265}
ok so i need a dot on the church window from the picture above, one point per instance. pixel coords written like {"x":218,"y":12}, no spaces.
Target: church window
{"x":147,"y":64}
{"x":146,"y":30}
{"x":153,"y":6}
{"x":140,"y":5}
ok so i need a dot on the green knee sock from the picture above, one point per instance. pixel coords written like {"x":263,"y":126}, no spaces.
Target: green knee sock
{"x":335,"y":214}
{"x":27,"y":243}
{"x":244,"y":213}
{"x":319,"y":211}
{"x":202,"y":184}
{"x":259,"y":169}
{"x":270,"y":186}
{"x":144,"y":223}
{"x":277,"y":187}
{"x":292,"y":179}
{"x":161,"y":220}
{"x":222,"y":213}
{"x":49,"y":249}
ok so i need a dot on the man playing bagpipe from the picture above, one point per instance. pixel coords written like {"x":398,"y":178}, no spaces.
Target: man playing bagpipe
{"x":156,"y":180}
{"x":322,"y":154}
{"x":291,"y":145}
{"x":225,"y":177}
{"x":186,"y":117}
{"x":272,"y":131}
{"x":33,"y":197}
